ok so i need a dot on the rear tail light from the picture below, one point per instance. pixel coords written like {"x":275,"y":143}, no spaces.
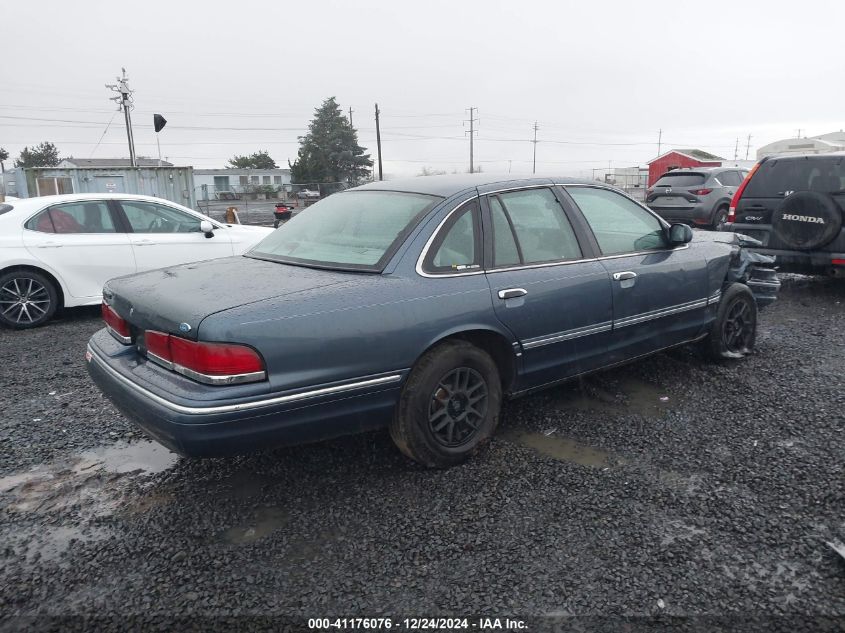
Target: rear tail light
{"x":700,"y":192}
{"x":735,"y":200}
{"x":158,"y":346}
{"x":211,"y":363}
{"x":116,"y":325}
{"x":838,"y":262}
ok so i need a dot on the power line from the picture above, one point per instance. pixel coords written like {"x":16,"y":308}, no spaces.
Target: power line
{"x":103,"y":134}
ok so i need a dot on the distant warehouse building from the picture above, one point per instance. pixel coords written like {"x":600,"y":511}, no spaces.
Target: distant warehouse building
{"x":822,"y":144}
{"x":217,"y":184}
{"x":103,"y":176}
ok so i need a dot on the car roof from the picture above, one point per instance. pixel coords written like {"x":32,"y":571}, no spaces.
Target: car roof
{"x":698,"y":170}
{"x":798,"y":156}
{"x":451,"y":184}
{"x":39,"y":202}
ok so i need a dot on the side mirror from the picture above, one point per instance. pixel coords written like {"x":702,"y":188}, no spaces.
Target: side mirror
{"x":680,"y":234}
{"x":207,"y":228}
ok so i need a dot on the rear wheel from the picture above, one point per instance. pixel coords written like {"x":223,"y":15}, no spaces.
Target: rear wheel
{"x":449,"y":406}
{"x":27,"y":299}
{"x":733,"y":333}
{"x":719,"y":219}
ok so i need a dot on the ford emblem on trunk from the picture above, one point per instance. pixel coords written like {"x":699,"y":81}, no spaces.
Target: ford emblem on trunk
{"x":184,"y":327}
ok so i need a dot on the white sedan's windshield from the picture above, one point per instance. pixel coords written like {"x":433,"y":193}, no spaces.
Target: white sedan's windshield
{"x":356,"y":229}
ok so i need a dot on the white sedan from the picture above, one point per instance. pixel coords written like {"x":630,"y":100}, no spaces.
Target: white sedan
{"x":59,"y":250}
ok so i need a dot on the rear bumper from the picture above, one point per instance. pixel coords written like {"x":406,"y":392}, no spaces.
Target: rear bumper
{"x":787,"y":260}
{"x":206,"y":428}
{"x":810,"y":262}
{"x":698,"y":214}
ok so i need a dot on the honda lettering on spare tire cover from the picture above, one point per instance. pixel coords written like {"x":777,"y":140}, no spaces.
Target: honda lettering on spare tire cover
{"x":807,"y":219}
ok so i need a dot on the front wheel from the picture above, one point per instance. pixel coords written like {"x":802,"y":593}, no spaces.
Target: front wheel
{"x":449,"y":406}
{"x":733,"y":333}
{"x":27,"y":299}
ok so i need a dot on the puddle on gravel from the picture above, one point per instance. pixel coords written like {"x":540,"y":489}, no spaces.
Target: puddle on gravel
{"x":267,"y":520}
{"x":50,"y":543}
{"x":145,"y":457}
{"x":629,"y":396}
{"x":86,"y":482}
{"x":563,"y":449}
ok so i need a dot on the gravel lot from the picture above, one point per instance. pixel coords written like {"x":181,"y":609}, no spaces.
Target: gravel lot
{"x":597,"y":502}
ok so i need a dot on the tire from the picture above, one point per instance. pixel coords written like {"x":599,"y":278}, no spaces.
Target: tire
{"x":807,"y":220}
{"x":733,"y":333}
{"x":27,"y":299}
{"x":720,"y":216}
{"x":442,"y":416}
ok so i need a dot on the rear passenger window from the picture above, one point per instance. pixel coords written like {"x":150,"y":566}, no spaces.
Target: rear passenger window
{"x":729,"y":179}
{"x":505,"y":250}
{"x":619,"y":224}
{"x":74,"y":217}
{"x":149,"y":217}
{"x":541,"y":229}
{"x":456,"y":247}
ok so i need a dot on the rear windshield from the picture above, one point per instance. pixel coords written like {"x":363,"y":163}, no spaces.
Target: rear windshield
{"x":680,"y":180}
{"x":782,"y":176}
{"x":356,"y":230}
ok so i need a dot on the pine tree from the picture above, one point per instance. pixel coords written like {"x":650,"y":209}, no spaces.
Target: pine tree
{"x":330,"y":152}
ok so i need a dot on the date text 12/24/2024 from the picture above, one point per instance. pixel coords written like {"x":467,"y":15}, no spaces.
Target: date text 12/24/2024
{"x":417,"y":624}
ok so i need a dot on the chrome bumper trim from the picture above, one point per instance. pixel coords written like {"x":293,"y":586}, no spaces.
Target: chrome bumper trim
{"x":92,"y":356}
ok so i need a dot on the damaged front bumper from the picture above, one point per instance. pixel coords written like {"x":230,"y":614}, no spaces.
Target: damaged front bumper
{"x":755,"y":270}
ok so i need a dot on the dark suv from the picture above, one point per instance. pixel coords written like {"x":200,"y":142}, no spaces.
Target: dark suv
{"x":794,"y":206}
{"x":695,"y":196}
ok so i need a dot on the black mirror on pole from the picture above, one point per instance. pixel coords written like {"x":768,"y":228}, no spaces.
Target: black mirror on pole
{"x":158,"y":125}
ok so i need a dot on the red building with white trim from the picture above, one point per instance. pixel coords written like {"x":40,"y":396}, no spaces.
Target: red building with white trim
{"x":680,"y":158}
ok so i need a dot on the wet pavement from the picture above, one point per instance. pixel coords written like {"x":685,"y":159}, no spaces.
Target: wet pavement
{"x":670,"y":487}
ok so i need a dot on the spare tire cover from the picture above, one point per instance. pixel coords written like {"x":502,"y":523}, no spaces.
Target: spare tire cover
{"x":807,"y":220}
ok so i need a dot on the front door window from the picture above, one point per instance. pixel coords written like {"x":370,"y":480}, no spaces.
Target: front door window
{"x":619,"y":224}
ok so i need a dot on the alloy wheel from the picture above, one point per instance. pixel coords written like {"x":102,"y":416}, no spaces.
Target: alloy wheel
{"x":738,"y":326}
{"x":24,"y":300}
{"x":457,"y":407}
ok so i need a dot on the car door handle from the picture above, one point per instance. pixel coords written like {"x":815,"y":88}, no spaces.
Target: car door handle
{"x":144,"y":243}
{"x":50,"y":245}
{"x":628,"y":274}
{"x":512,"y":293}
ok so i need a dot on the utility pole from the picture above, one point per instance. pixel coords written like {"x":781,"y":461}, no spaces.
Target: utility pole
{"x":378,"y":143}
{"x":736,"y":149}
{"x":659,"y":140}
{"x":350,"y":116}
{"x":534,"y":167}
{"x":472,"y":121}
{"x":124,"y":102}
{"x":747,"y":147}
{"x":799,"y":133}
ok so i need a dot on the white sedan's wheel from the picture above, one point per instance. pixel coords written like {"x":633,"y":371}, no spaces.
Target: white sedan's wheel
{"x":27,"y":299}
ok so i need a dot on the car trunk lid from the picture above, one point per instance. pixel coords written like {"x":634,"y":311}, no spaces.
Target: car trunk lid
{"x":177,"y":298}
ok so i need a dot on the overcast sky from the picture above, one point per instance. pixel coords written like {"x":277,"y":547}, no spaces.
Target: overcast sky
{"x":600,"y":78}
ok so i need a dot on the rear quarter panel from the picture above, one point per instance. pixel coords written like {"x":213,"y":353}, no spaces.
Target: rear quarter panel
{"x":370,"y":325}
